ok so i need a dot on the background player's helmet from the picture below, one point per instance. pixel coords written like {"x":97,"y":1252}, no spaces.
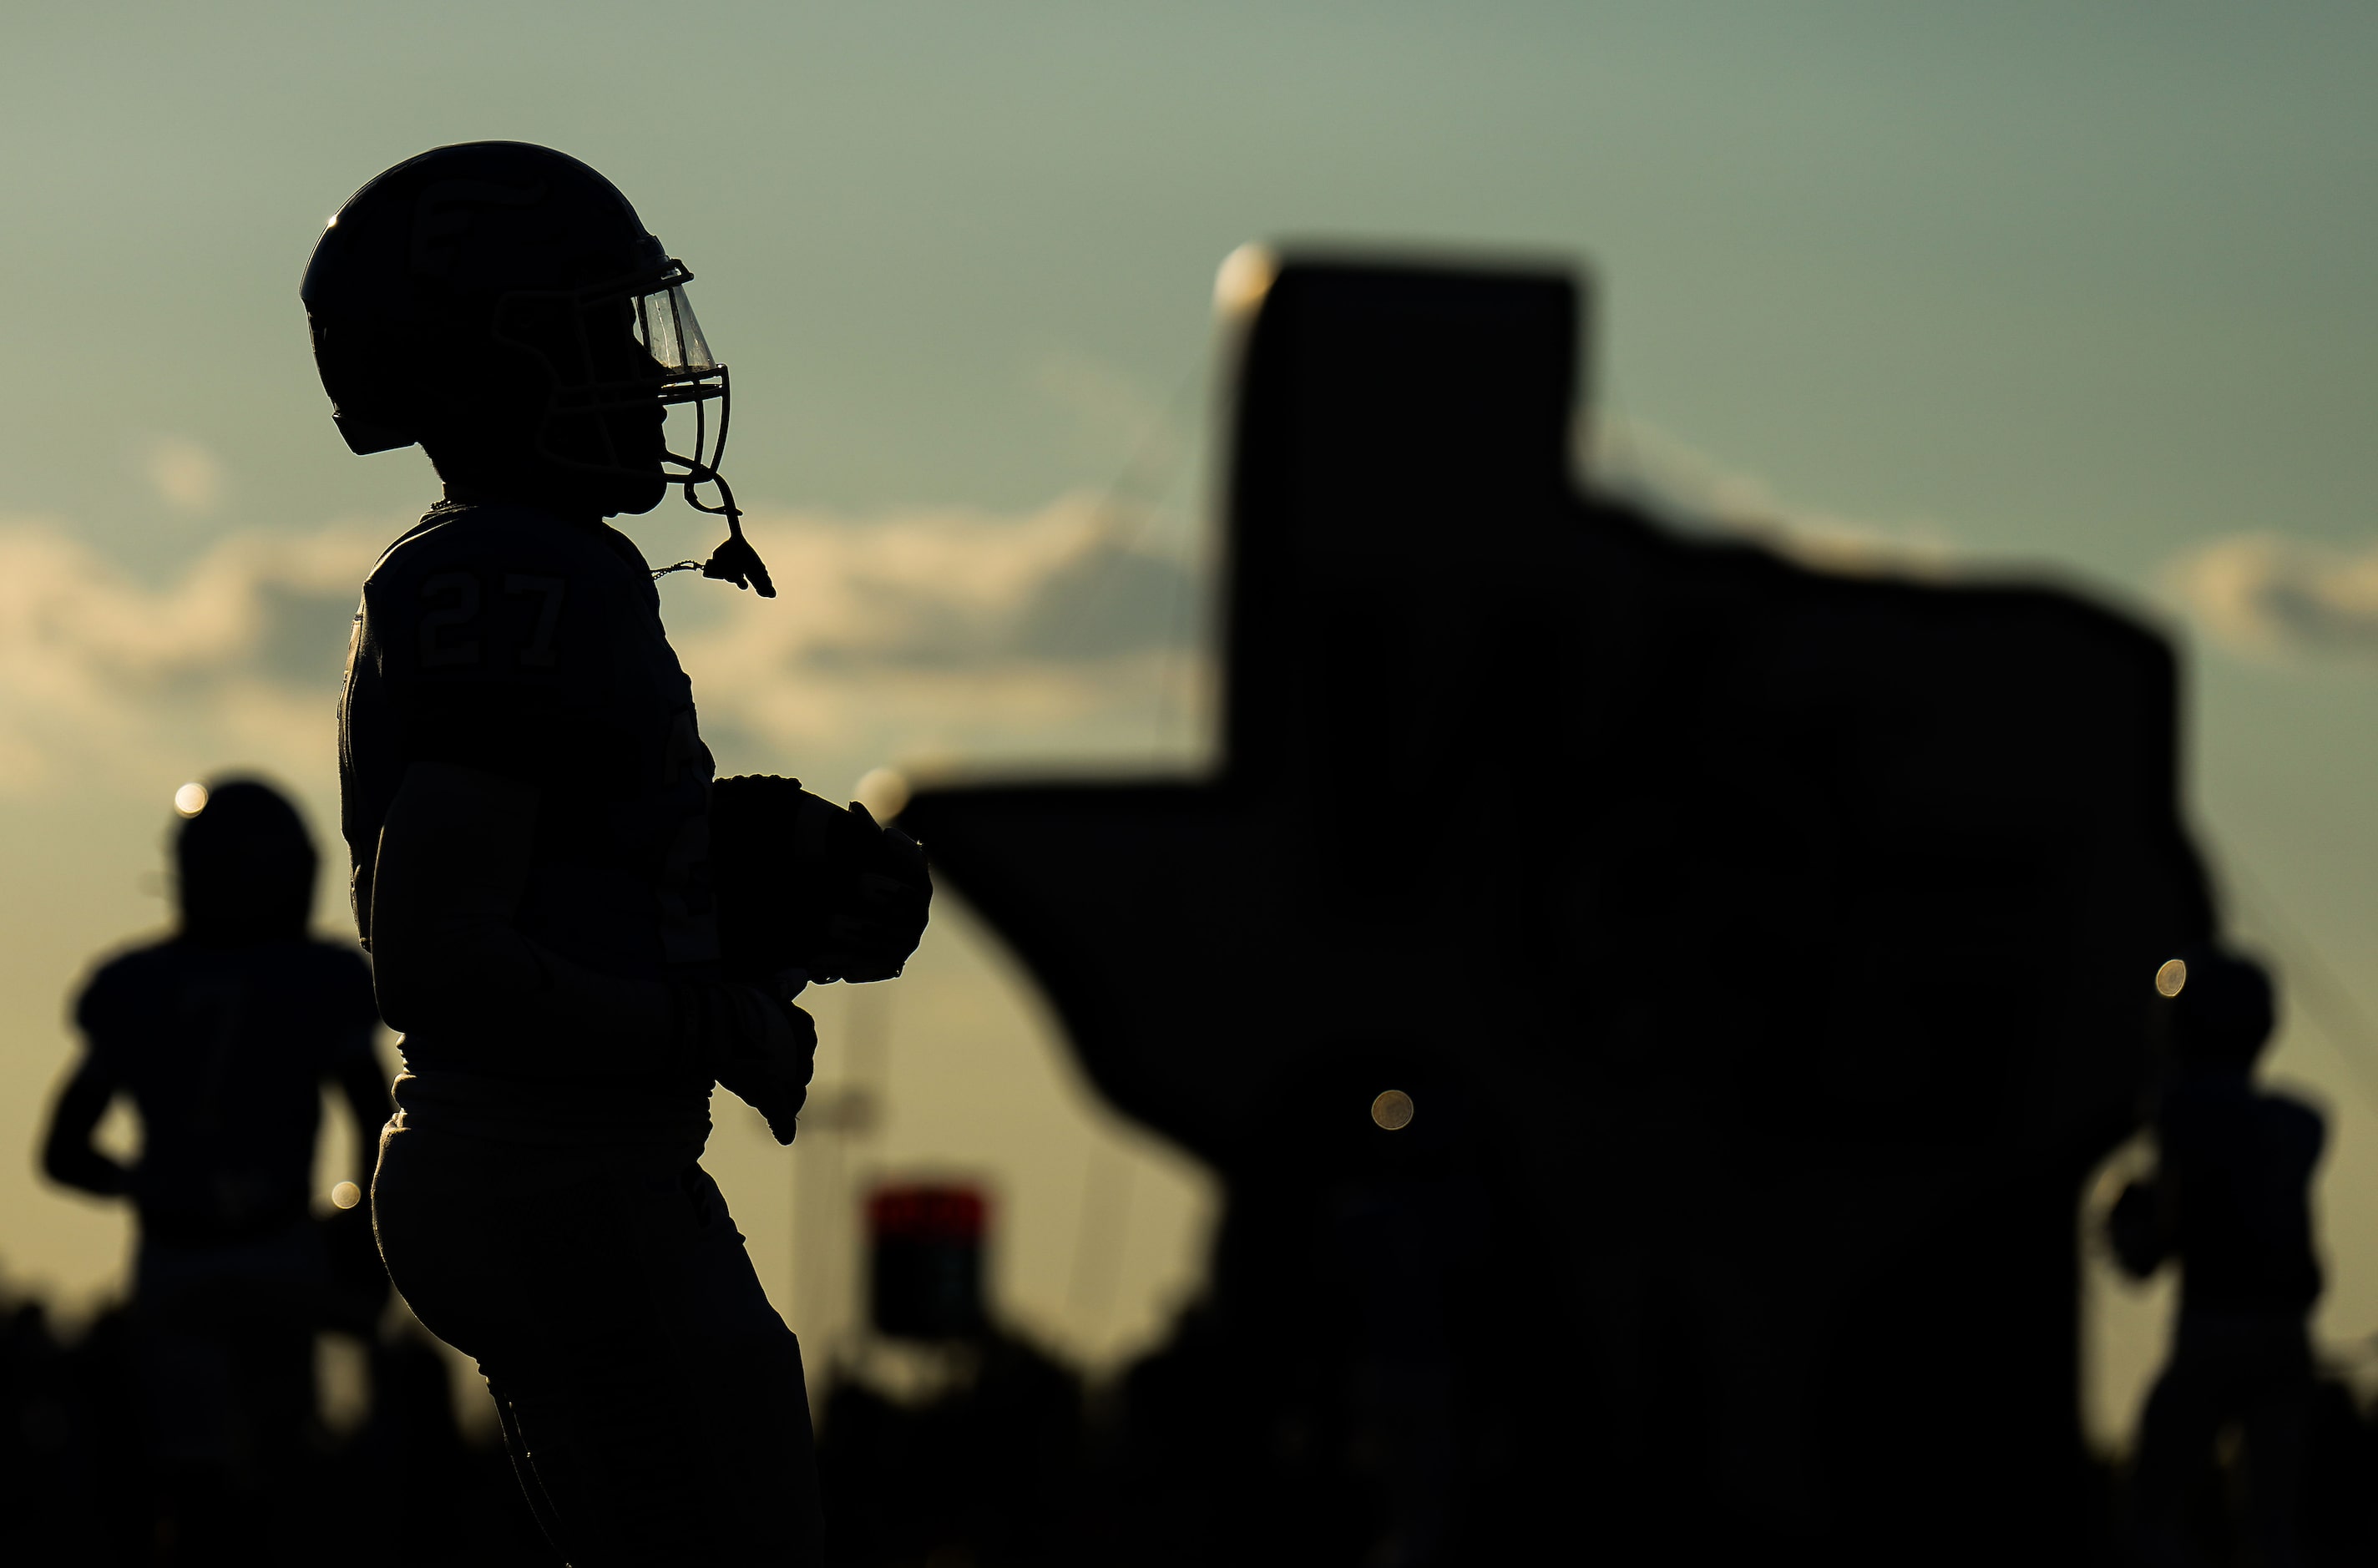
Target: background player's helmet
{"x":2224,"y":1010}
{"x":501,"y":303}
{"x":243,"y":865}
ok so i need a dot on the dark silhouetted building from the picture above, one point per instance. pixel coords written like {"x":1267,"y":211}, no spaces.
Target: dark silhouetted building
{"x":1653,"y":1004}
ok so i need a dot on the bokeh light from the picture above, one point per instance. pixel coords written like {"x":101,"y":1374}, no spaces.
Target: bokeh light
{"x":883,"y":790}
{"x":1244,"y":279}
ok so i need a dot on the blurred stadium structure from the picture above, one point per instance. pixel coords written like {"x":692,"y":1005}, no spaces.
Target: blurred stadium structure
{"x":1852,"y":883}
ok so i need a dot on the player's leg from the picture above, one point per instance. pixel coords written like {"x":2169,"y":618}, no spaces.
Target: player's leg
{"x":664,"y":1419}
{"x":2176,"y":1437}
{"x":2271,"y":1420}
{"x":651,"y":1398}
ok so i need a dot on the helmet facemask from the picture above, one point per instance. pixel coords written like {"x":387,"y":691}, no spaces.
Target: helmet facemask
{"x":618,"y":356}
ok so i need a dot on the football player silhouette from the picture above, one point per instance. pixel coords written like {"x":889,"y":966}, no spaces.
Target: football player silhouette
{"x":528,"y":806}
{"x":2231,"y":1201}
{"x":223,"y":1036}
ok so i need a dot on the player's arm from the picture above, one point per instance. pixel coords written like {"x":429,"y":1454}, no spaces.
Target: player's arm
{"x":454,"y":862}
{"x":68,"y":1156}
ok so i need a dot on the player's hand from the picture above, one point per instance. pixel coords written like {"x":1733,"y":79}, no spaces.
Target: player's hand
{"x":759,"y":1048}
{"x":891,"y":901}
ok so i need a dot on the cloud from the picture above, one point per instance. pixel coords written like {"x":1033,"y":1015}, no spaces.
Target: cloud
{"x":1113,"y":412}
{"x":950,"y":634}
{"x":2272,"y":597}
{"x":2262,"y":595}
{"x":185,"y":475}
{"x":1682,"y":484}
{"x":934,"y":637}
{"x":102,"y":676}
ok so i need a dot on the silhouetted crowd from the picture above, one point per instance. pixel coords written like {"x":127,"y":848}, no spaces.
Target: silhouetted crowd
{"x":79,"y":1483}
{"x":1007,"y":1459}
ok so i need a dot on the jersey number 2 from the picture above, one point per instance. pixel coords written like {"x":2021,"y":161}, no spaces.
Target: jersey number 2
{"x":454,"y":598}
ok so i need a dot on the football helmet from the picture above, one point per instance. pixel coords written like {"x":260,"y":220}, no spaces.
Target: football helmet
{"x":243,"y":865}
{"x":501,"y":302}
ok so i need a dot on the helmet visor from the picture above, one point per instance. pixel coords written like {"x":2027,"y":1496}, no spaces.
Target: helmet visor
{"x":616,"y":354}
{"x":665,"y":328}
